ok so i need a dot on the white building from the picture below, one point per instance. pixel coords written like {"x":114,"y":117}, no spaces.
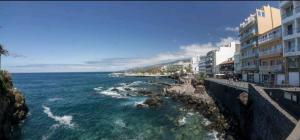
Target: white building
{"x":223,"y":53}
{"x":290,"y":16}
{"x":195,"y":64}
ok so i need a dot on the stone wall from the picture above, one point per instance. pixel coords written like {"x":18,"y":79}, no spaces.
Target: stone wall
{"x":260,"y":119}
{"x":293,"y":107}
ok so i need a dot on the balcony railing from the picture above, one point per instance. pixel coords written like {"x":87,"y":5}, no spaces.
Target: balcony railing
{"x":273,"y":68}
{"x":292,"y":49}
{"x":269,"y":37}
{"x":247,"y":34}
{"x":272,"y":52}
{"x":291,"y":32}
{"x":250,"y":55}
{"x":250,"y":67}
{"x":253,"y":43}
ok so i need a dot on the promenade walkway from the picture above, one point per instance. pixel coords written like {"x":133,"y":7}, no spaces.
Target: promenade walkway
{"x":244,"y":85}
{"x":236,"y":84}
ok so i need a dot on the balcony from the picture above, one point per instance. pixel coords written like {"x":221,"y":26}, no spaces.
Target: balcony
{"x":249,"y":67}
{"x":253,"y":43}
{"x":272,"y":53}
{"x":250,"y":55}
{"x":273,"y":68}
{"x":290,"y":32}
{"x":247,"y":34}
{"x":269,"y":38}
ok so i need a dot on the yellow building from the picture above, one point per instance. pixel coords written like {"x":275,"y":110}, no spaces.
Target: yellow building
{"x":271,"y":68}
{"x":262,"y":20}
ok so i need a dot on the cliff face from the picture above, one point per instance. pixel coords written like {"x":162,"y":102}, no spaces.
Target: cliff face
{"x":12,"y":105}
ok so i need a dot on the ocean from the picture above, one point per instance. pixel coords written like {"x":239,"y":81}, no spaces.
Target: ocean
{"x":84,"y":106}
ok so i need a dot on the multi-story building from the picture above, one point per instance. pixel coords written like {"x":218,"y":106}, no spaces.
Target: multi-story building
{"x":195,"y":64}
{"x":290,"y":15}
{"x":223,"y":53}
{"x":227,"y":68}
{"x":237,"y":62}
{"x":262,"y":20}
{"x":271,"y":68}
{"x":216,"y":57}
{"x":210,"y":61}
{"x":202,"y":65}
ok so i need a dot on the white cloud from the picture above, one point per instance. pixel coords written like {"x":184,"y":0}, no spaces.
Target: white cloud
{"x":232,"y":29}
{"x":113,"y":64}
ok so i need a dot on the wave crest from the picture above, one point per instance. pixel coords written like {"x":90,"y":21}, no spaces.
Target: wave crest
{"x":62,"y":120}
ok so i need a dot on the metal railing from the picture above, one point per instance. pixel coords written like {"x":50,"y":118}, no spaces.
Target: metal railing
{"x":272,"y":52}
{"x":269,"y":37}
{"x":273,"y":68}
{"x":250,"y":55}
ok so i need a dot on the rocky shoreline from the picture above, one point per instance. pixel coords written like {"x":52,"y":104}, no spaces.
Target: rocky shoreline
{"x":193,"y":95}
{"x":13,"y":108}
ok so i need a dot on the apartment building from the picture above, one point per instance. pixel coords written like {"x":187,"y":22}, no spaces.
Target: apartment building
{"x":290,"y":15}
{"x":202,"y":64}
{"x":259,"y":22}
{"x":271,"y":67}
{"x":216,"y":57}
{"x":195,"y":64}
{"x":209,"y":62}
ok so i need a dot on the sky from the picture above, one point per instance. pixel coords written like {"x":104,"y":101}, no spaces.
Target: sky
{"x":64,"y":36}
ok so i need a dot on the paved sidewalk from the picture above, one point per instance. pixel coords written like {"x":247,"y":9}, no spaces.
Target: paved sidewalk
{"x":236,"y":84}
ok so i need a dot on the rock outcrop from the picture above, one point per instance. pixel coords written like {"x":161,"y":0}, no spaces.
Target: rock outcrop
{"x":12,"y":106}
{"x":153,"y":101}
{"x":193,"y":94}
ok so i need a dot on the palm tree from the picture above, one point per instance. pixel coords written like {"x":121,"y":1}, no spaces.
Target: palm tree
{"x":2,"y":52}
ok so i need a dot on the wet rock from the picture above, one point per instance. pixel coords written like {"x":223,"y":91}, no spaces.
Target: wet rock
{"x":127,"y":89}
{"x":141,"y":105}
{"x":115,"y":89}
{"x":243,"y":97}
{"x":144,"y":92}
{"x":153,"y":101}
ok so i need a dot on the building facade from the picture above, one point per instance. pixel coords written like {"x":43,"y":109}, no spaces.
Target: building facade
{"x":223,"y":53}
{"x":195,"y":64}
{"x":215,"y":57}
{"x":237,"y":62}
{"x":259,"y":22}
{"x":227,"y":68}
{"x":290,"y":15}
{"x":202,"y":65}
{"x":271,"y":67}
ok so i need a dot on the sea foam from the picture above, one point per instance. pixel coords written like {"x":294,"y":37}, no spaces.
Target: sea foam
{"x":55,"y":99}
{"x":62,"y":120}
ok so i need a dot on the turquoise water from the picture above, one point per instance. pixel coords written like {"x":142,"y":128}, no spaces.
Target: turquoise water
{"x":81,"y":106}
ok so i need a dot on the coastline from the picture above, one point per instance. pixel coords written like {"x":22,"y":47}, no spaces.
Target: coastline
{"x":194,"y":96}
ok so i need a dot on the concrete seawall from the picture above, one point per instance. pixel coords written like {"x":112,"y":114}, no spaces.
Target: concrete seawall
{"x":260,"y":119}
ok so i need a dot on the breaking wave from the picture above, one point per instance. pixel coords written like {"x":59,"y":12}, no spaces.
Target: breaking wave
{"x":62,"y":120}
{"x":55,"y":99}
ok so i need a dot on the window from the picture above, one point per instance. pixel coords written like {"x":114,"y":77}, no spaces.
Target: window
{"x":287,"y":95}
{"x":290,"y":29}
{"x":290,"y":96}
{"x":294,"y":98}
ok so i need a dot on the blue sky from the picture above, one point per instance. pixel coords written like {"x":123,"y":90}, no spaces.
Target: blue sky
{"x":108,"y":36}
